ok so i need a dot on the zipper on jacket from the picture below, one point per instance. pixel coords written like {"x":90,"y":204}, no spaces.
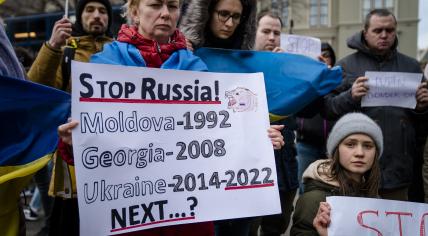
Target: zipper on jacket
{"x":158,"y":48}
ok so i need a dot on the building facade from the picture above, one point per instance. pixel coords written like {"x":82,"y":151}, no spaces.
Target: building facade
{"x":334,"y":21}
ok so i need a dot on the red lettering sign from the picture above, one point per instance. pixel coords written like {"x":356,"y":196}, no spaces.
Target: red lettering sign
{"x":399,"y":214}
{"x":360,"y":221}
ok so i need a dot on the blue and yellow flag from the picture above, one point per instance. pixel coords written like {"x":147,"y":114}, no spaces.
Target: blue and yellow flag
{"x":292,"y":81}
{"x":29,"y":117}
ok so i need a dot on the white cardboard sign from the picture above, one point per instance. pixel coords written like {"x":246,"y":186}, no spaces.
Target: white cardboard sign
{"x":367,"y":216}
{"x":162,"y":147}
{"x":391,"y":89}
{"x":303,"y":45}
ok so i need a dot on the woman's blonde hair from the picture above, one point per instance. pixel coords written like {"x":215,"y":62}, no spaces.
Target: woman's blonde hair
{"x":132,"y":4}
{"x":127,"y":10}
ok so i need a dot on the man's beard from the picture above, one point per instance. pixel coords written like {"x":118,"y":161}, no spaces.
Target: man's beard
{"x":97,"y":33}
{"x":96,"y":30}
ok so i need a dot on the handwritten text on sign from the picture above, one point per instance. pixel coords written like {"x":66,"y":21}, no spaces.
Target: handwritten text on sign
{"x":376,"y":217}
{"x":391,"y":89}
{"x":302,"y":45}
{"x":162,"y":147}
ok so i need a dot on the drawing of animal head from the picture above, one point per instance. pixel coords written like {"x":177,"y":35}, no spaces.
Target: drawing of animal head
{"x":241,"y":99}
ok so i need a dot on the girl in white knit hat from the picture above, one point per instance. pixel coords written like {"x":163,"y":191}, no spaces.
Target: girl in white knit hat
{"x":353,"y":148}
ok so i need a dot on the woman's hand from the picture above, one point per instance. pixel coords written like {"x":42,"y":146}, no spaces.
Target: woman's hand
{"x":64,"y":131}
{"x":189,"y":45}
{"x":274,"y":133}
{"x":322,"y":219}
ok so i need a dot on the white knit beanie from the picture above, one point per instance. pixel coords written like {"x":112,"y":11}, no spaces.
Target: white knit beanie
{"x":354,"y":123}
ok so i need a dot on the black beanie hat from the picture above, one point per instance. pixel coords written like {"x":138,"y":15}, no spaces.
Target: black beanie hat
{"x":78,"y":27}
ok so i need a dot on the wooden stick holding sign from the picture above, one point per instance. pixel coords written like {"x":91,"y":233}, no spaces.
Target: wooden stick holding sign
{"x":66,"y":9}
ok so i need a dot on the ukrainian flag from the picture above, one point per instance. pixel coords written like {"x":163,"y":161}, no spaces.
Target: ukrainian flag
{"x":29,"y":117}
{"x":292,"y":81}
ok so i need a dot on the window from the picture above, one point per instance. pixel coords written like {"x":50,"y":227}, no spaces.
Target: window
{"x":318,"y":13}
{"x":282,"y":9}
{"x":284,"y":12}
{"x":369,"y":5}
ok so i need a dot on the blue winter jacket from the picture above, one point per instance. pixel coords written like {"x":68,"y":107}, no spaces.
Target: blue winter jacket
{"x":119,"y":53}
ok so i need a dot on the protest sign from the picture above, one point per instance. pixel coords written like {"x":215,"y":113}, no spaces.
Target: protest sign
{"x":426,"y":72}
{"x":376,"y":217}
{"x":161,"y":147}
{"x":303,"y":45}
{"x":391,"y":89}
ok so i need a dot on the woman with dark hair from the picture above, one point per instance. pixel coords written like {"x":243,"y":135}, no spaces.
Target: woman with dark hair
{"x":354,"y":146}
{"x":228,"y":24}
{"x":328,"y":54}
{"x":224,"y":24}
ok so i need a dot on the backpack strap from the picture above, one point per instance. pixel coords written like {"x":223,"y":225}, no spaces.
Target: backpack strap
{"x":68,"y":56}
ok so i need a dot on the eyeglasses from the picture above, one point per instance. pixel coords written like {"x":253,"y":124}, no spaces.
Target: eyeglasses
{"x":224,"y":16}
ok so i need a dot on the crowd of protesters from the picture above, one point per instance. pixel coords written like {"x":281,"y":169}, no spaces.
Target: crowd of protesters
{"x":337,"y":149}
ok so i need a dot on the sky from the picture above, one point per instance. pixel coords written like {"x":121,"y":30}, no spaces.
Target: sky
{"x":423,"y":24}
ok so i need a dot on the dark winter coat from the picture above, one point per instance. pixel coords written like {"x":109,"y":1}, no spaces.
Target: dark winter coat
{"x":285,"y":158}
{"x":313,"y":131}
{"x":397,"y":124}
{"x":196,"y":21}
{"x":318,"y":186}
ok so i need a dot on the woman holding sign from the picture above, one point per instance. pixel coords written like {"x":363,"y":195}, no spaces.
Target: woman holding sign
{"x":152,"y":40}
{"x":353,"y":147}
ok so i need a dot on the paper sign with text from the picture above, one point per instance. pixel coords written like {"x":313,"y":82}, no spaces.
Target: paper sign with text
{"x":162,"y":147}
{"x":396,"y":89}
{"x":303,"y":45}
{"x":367,"y":216}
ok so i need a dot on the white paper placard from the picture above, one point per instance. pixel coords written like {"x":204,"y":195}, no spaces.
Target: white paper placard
{"x":303,"y":45}
{"x":161,"y":147}
{"x":367,"y":216}
{"x":391,"y":89}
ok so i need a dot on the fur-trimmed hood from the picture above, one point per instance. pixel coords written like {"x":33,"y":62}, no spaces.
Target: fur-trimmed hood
{"x":320,"y":170}
{"x":195,"y":23}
